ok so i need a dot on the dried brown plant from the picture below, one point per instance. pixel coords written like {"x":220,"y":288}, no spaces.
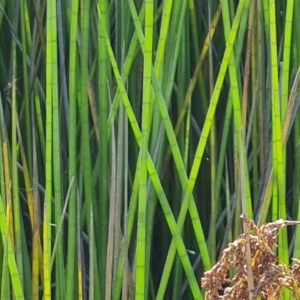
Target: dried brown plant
{"x":270,"y":275}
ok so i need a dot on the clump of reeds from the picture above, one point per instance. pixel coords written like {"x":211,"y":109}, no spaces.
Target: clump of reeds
{"x":270,"y":276}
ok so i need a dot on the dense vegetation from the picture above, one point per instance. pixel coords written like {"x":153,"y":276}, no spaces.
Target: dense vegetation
{"x":133,"y":136}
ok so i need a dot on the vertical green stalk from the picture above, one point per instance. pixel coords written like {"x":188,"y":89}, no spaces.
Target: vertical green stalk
{"x":120,"y":161}
{"x":296,"y":61}
{"x":260,"y":87}
{"x":79,"y":254}
{"x":25,"y":35}
{"x":83,"y":106}
{"x":51,"y":46}
{"x":162,"y":65}
{"x":17,"y":220}
{"x":195,"y":43}
{"x":212,"y":137}
{"x":12,"y":263}
{"x":36,"y":243}
{"x":102,"y":221}
{"x":92,"y":255}
{"x":112,"y":221}
{"x":254,"y":84}
{"x":72,"y":150}
{"x":57,"y":174}
{"x":287,"y":49}
{"x":126,"y":239}
{"x":5,"y":280}
{"x":120,"y":156}
{"x":278,"y":151}
{"x":7,"y":205}
{"x":283,"y":109}
{"x":141,"y":291}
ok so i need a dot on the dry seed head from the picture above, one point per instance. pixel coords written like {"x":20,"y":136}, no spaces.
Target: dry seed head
{"x":269,"y":276}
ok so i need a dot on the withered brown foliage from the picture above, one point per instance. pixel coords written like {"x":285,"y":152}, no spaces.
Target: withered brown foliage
{"x":270,"y":276}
